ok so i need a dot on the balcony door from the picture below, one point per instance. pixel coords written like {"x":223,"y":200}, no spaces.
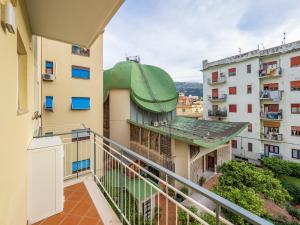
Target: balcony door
{"x":271,"y":108}
{"x":214,"y":76}
{"x":215,"y":93}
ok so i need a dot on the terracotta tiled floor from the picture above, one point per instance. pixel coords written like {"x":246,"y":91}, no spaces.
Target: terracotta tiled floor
{"x":78,"y":209}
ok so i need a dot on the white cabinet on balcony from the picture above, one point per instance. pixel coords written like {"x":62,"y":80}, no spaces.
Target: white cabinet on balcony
{"x":45,"y":178}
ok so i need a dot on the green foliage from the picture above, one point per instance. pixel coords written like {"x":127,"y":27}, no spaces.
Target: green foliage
{"x":201,"y":180}
{"x":281,"y":167}
{"x":293,"y":212}
{"x":184,"y":190}
{"x":211,"y":220}
{"x":243,"y":175}
{"x":183,"y":216}
{"x":244,"y":197}
{"x":292,"y":185}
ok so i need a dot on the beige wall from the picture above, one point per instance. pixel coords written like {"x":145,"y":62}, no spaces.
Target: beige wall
{"x":119,"y":128}
{"x":64,"y":87}
{"x":182,"y":156}
{"x":16,"y":129}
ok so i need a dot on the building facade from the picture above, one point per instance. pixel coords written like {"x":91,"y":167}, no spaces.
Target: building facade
{"x":148,"y":123}
{"x":260,"y":87}
{"x":22,"y":24}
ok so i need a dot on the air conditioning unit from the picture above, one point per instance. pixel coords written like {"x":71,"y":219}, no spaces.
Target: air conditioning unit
{"x":161,"y":123}
{"x":8,"y":17}
{"x":155,"y":124}
{"x":49,"y":77}
{"x":165,"y":122}
{"x":222,"y":74}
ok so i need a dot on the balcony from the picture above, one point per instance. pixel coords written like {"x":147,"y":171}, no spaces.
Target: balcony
{"x":272,"y":136}
{"x":270,"y":73}
{"x":217,"y":113}
{"x":219,"y":98}
{"x":276,"y":116}
{"x":126,"y":182}
{"x":220,"y":80}
{"x":274,"y":96}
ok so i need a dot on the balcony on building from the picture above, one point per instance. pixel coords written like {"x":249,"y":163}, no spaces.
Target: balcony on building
{"x":86,"y":177}
{"x":217,"y":98}
{"x":217,"y":113}
{"x":272,"y":95}
{"x":219,"y":79}
{"x":272,"y":136}
{"x":270,"y":70}
{"x":276,"y":115}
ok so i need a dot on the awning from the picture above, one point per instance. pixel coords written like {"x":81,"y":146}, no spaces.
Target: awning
{"x":271,"y":124}
{"x":72,"y":21}
{"x":295,"y":128}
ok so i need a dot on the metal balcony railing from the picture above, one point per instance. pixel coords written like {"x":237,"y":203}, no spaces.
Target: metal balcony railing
{"x":220,"y":80}
{"x":270,"y":72}
{"x":271,"y":115}
{"x":221,"y":97}
{"x":272,"y":136}
{"x":217,"y":113}
{"x":271,"y":95}
{"x":139,"y":190}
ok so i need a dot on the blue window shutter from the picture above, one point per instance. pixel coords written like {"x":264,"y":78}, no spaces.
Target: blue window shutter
{"x":84,"y":164}
{"x":80,"y":103}
{"x":74,"y":167}
{"x":80,"y":72}
{"x":49,"y":103}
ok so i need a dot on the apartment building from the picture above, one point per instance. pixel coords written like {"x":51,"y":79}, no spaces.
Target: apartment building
{"x":148,"y":123}
{"x":260,"y":87}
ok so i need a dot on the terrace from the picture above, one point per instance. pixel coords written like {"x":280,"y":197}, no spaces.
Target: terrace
{"x":118,"y":186}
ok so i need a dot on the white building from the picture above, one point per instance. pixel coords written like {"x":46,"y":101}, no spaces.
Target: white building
{"x":261,"y":87}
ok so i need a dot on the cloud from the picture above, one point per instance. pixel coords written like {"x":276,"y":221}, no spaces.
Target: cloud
{"x":178,"y":35}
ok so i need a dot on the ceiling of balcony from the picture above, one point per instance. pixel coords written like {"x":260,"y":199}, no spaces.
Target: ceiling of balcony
{"x":72,"y":21}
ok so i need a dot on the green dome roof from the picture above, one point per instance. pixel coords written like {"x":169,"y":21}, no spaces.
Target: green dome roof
{"x":151,"y":88}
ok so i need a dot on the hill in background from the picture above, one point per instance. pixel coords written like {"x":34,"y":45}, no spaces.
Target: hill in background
{"x":190,"y":88}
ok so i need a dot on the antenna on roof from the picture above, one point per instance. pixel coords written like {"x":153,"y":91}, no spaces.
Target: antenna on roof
{"x":240,"y":51}
{"x":262,"y":44}
{"x":135,"y":58}
{"x":284,"y":37}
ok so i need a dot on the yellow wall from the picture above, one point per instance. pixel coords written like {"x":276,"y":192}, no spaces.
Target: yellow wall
{"x":64,"y":87}
{"x":16,"y":129}
{"x":119,"y":113}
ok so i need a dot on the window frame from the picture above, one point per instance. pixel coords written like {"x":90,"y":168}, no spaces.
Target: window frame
{"x":232,"y":110}
{"x":232,"y":90}
{"x":250,"y":127}
{"x":249,"y":87}
{"x":82,"y":68}
{"x":234,"y":144}
{"x":297,"y":107}
{"x":295,"y":61}
{"x":298,"y":153}
{"x":249,"y":68}
{"x":250,"y":147}
{"x":249,"y":108}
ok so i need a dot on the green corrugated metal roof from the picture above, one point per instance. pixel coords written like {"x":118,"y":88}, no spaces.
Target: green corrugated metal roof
{"x":138,"y":188}
{"x":151,"y":88}
{"x":203,"y":133}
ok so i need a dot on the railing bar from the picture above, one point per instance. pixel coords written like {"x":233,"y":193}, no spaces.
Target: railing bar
{"x":214,"y":197}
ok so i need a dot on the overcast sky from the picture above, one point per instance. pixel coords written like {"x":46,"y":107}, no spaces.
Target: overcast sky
{"x":177,"y":35}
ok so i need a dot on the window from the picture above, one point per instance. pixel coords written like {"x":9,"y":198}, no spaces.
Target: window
{"x":250,"y":146}
{"x":80,"y":72}
{"x":232,"y":72}
{"x":295,"y":108}
{"x":183,"y":110}
{"x":146,"y":206}
{"x":49,"y":103}
{"x":271,"y":149}
{"x":80,"y":134}
{"x":232,"y":90}
{"x":249,"y":68}
{"x":214,"y":76}
{"x":22,"y":75}
{"x":295,"y":154}
{"x":81,"y":165}
{"x":49,"y":67}
{"x":249,"y":108}
{"x":233,"y":143}
{"x":77,"y":50}
{"x":295,"y":131}
{"x":295,"y":61}
{"x":215,"y":93}
{"x":295,"y":85}
{"x":249,"y":89}
{"x":250,"y":127}
{"x":81,"y":103}
{"x":232,"y":108}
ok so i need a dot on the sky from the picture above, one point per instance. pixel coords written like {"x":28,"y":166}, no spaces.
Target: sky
{"x":177,"y":35}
